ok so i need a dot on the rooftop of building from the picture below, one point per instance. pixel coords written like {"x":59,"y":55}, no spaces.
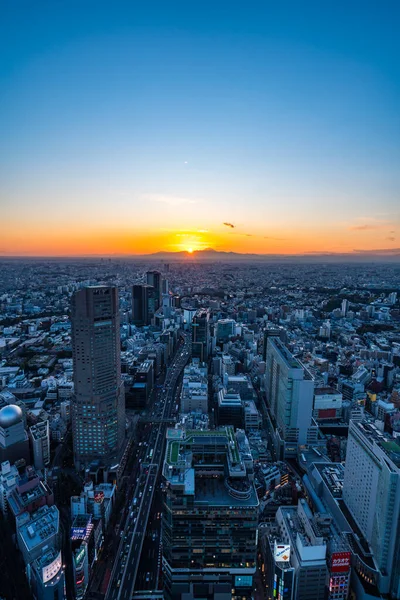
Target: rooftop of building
{"x":296,"y":530}
{"x":40,"y":430}
{"x":250,"y":407}
{"x":223,"y":438}
{"x":333,"y":476}
{"x":229,"y":399}
{"x":291,"y":361}
{"x":41,"y":525}
{"x":322,"y":391}
{"x":202,"y":390}
{"x":47,"y":557}
{"x":287,"y":356}
{"x":213,"y":492}
{"x":145,"y":366}
{"x":82,"y":520}
{"x":383,"y":440}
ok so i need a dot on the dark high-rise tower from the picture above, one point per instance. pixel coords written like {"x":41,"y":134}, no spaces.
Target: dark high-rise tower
{"x":98,"y":407}
{"x":154,"y":278}
{"x":201,"y":334}
{"x":143,"y":304}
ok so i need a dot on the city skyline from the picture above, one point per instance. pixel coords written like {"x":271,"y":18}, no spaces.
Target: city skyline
{"x":215,"y":430}
{"x":258,"y":129}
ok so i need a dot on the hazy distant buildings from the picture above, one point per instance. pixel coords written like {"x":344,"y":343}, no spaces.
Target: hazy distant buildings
{"x":98,"y":405}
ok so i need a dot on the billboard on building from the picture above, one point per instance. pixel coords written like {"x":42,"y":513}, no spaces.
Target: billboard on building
{"x":327,"y":413}
{"x":282,"y":552}
{"x":340,"y":562}
{"x":99,"y":497}
{"x":52,"y":569}
{"x":78,"y":532}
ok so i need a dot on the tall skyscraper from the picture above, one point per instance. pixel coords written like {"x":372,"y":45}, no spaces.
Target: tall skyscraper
{"x":154,"y":278}
{"x":144,"y":302}
{"x":290,"y":391}
{"x":201,"y":334}
{"x":371,"y":492}
{"x":210,"y":515}
{"x":98,"y":404}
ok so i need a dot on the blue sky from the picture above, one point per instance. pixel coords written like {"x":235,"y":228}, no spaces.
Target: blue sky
{"x":134,"y":119}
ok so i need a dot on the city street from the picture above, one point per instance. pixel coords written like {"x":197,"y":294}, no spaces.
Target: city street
{"x":136,"y":532}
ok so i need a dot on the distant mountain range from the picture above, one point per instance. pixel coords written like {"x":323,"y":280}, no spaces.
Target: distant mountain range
{"x":385,"y":255}
{"x":209,"y":254}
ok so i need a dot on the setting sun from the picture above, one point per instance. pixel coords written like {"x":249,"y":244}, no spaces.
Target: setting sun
{"x":190,"y":250}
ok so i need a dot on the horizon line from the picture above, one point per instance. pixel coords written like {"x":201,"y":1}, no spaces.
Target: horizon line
{"x":382,"y":252}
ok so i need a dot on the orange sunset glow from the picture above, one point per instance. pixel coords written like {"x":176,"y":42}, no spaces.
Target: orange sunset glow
{"x":76,"y":241}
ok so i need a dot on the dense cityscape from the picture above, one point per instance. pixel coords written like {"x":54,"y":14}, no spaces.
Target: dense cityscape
{"x":199,"y":430}
{"x":199,"y":300}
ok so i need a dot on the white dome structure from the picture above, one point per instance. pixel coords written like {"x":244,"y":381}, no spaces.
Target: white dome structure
{"x":10,"y":415}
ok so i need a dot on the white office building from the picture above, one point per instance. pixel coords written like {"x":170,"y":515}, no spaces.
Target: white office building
{"x":371,"y":492}
{"x":290,"y":391}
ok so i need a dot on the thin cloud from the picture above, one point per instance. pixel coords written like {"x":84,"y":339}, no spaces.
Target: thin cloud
{"x":383,"y":251}
{"x":229,"y":225}
{"x":391,"y":239}
{"x":365,"y":227}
